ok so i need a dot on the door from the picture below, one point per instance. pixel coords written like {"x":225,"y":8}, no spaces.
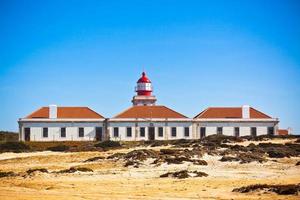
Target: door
{"x":27,"y":134}
{"x":151,"y":133}
{"x":202,"y":132}
{"x":98,"y":133}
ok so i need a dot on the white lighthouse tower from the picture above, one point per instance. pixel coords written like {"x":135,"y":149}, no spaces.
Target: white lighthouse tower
{"x":144,"y":95}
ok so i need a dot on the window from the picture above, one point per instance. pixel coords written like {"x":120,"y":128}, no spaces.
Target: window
{"x":63,"y":132}
{"x":253,"y":131}
{"x":173,"y":131}
{"x":129,"y":134}
{"x":116,"y":132}
{"x":219,"y":130}
{"x":237,"y":131}
{"x":202,"y":132}
{"x":270,"y":130}
{"x":142,"y":131}
{"x":45,"y":132}
{"x":186,"y":131}
{"x":81,"y":132}
{"x":160,"y":131}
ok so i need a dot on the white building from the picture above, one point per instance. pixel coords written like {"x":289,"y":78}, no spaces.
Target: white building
{"x":62,"y":124}
{"x":149,"y":122}
{"x":143,"y":121}
{"x":234,"y":121}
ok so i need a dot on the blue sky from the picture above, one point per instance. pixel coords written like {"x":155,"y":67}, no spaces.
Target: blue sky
{"x":197,"y":54}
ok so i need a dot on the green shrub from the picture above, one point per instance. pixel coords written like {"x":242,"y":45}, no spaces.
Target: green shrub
{"x":108,"y":144}
{"x":14,"y":147}
{"x":60,"y":148}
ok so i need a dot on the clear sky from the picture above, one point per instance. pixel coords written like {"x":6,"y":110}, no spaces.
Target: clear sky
{"x":197,"y":54}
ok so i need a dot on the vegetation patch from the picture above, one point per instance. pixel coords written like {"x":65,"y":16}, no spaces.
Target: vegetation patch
{"x":7,"y":174}
{"x":183,"y":174}
{"x":93,"y":159}
{"x":59,"y":148}
{"x":7,"y":136}
{"x":75,"y":169}
{"x":108,"y":144}
{"x":290,"y":189}
{"x":31,"y":171}
{"x":15,"y":147}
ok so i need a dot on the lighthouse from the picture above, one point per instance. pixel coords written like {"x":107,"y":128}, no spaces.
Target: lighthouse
{"x":143,"y":91}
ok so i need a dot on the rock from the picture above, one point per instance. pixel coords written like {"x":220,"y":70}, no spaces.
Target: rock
{"x":298,"y":163}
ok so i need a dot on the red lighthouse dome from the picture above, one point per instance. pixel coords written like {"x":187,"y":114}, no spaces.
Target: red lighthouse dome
{"x":144,"y":86}
{"x":144,"y":95}
{"x":144,"y":79}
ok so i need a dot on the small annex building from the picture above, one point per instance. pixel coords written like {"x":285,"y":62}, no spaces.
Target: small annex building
{"x":62,"y":124}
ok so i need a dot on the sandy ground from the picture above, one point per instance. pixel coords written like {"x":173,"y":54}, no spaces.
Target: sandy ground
{"x":110,"y":180}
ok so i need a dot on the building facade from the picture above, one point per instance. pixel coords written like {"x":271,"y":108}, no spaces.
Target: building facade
{"x":62,"y":124}
{"x":234,"y":121}
{"x":144,"y":120}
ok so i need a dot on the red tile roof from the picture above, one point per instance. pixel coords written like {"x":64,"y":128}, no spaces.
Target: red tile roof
{"x":66,"y":112}
{"x":229,"y":112}
{"x":282,"y":132}
{"x":149,"y":112}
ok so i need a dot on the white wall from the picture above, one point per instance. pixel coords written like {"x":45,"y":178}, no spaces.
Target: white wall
{"x":89,"y":129}
{"x":135,"y":127}
{"x":228,"y":128}
{"x":72,"y":131}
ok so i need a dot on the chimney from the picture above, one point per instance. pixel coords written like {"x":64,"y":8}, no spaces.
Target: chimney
{"x":245,"y":112}
{"x":52,"y":111}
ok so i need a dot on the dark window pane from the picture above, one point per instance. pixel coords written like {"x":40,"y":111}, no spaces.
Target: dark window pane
{"x":202,"y":132}
{"x":81,"y":132}
{"x":129,"y":134}
{"x":116,"y":132}
{"x":142,"y":131}
{"x":220,"y":130}
{"x":237,"y":131}
{"x":160,"y":131}
{"x":270,"y":130}
{"x":186,"y":131}
{"x":45,"y":132}
{"x":253,"y":131}
{"x":174,"y":132}
{"x":62,"y":132}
